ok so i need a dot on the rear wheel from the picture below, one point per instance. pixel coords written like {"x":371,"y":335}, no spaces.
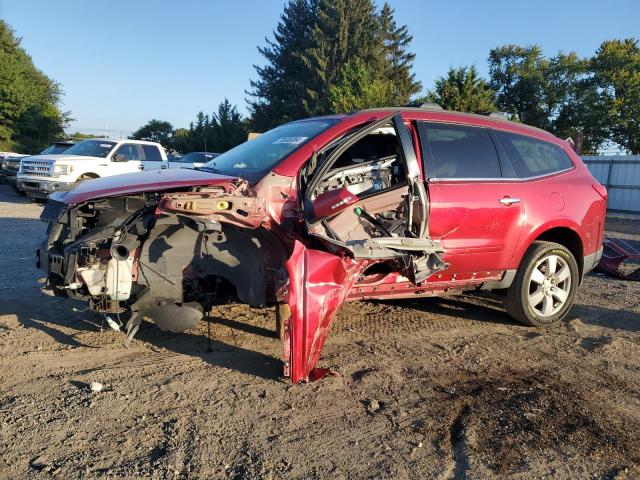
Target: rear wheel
{"x":545,"y":285}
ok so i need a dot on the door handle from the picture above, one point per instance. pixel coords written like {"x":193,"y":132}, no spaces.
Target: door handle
{"x":508,"y":201}
{"x":164,"y":167}
{"x":140,"y":167}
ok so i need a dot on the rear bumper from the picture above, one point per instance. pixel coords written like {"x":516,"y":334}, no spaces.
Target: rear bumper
{"x":591,"y":261}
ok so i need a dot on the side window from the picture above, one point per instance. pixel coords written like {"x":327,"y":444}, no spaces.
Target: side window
{"x":531,"y":157}
{"x":151,"y":153}
{"x":457,"y":151}
{"x":130,"y":151}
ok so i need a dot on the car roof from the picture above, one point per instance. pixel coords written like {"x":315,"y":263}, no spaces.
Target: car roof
{"x":433,"y":112}
{"x":354,"y":119}
{"x":438,"y":114}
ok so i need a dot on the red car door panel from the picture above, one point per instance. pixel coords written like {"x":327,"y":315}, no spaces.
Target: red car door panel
{"x":477,"y":232}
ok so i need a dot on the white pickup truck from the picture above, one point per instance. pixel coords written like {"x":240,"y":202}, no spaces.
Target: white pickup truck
{"x":40,"y":175}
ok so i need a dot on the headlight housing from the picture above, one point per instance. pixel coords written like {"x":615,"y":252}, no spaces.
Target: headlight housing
{"x":61,"y":170}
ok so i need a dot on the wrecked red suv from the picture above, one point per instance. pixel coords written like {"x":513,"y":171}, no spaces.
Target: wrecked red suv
{"x":377,"y":204}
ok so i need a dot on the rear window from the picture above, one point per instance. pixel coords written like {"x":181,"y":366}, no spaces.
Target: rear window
{"x":531,"y":157}
{"x":151,"y":153}
{"x":457,"y":151}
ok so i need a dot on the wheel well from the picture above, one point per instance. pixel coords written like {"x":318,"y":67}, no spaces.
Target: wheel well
{"x":89,"y":175}
{"x":567,"y":238}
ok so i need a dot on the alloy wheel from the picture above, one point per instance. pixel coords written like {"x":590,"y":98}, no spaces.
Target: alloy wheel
{"x":549,"y":285}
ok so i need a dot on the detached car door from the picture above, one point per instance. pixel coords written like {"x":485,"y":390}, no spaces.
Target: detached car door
{"x":365,"y":202}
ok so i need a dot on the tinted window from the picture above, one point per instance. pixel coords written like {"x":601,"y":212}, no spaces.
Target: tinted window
{"x":55,"y":149}
{"x":151,"y":153}
{"x":130,"y":152}
{"x":457,"y":151}
{"x":531,"y":157}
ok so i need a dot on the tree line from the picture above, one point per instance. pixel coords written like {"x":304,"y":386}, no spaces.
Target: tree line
{"x":335,"y":56}
{"x":30,"y":113}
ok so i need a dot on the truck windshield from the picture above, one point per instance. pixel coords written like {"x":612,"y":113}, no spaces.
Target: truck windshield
{"x":55,"y":149}
{"x":91,"y":148}
{"x":253,"y":159}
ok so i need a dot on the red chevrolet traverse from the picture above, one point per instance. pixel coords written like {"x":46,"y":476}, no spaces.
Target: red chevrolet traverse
{"x":376,"y":204}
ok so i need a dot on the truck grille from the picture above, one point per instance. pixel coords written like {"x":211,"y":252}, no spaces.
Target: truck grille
{"x":36,"y":168}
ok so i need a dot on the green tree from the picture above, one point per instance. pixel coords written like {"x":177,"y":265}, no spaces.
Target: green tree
{"x":358,"y":88}
{"x":616,"y":93}
{"x":398,"y":59}
{"x":313,"y":43}
{"x":518,"y":78}
{"x":155,"y":131}
{"x":344,"y":30}
{"x":281,"y":93}
{"x":555,"y":94}
{"x":180,"y":140}
{"x":463,"y":90}
{"x":227,"y":129}
{"x":30,"y":116}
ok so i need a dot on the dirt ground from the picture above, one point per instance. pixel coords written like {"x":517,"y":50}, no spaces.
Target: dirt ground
{"x":433,"y":388}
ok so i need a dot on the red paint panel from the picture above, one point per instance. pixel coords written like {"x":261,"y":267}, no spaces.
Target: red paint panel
{"x":319,"y":283}
{"x":131,"y":183}
{"x":476,"y":231}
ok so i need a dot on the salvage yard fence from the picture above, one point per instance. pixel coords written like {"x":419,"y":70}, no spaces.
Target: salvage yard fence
{"x":621,"y":175}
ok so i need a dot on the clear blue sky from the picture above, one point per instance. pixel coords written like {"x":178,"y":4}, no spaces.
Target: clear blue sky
{"x":126,"y":62}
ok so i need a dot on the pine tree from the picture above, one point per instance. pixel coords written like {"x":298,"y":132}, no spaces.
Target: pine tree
{"x":281,"y":92}
{"x":313,"y":43}
{"x":226,"y":128}
{"x":344,"y":30}
{"x":395,"y":43}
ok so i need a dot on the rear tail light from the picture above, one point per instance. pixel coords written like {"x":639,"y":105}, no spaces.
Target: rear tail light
{"x":601,"y":189}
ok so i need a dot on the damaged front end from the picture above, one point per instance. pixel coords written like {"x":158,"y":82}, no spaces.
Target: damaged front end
{"x":167,"y":257}
{"x":357,"y":214}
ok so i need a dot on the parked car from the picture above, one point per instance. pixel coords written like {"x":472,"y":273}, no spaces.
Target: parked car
{"x":9,"y":164}
{"x":3,"y":155}
{"x":194,"y":160}
{"x":89,"y":159}
{"x":9,"y":167}
{"x":378,"y":204}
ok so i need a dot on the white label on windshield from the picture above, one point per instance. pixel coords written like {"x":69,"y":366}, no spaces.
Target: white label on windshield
{"x":291,"y":140}
{"x":106,"y":145}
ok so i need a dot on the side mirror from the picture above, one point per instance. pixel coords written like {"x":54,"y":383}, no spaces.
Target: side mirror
{"x":332,"y":202}
{"x":119,"y":157}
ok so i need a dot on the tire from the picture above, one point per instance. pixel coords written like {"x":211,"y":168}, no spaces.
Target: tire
{"x":82,"y":179}
{"x":538,"y":296}
{"x":17,"y":190}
